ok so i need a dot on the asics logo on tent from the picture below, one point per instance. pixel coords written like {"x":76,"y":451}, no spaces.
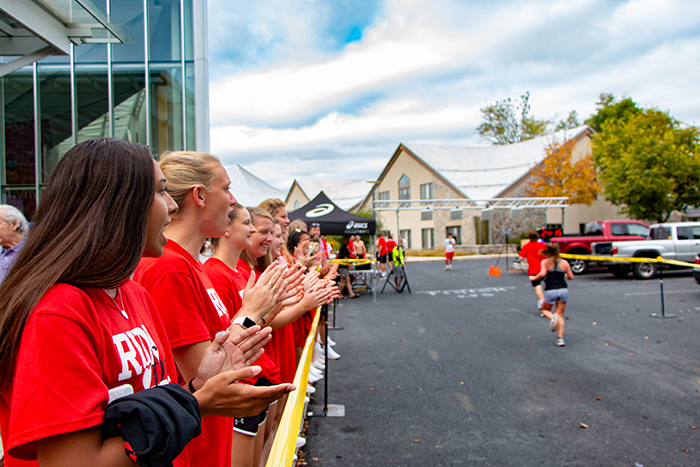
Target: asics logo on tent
{"x":356,"y":225}
{"x":320,"y":210}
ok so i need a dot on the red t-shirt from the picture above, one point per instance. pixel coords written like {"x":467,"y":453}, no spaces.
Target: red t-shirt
{"x":77,"y":353}
{"x":229,"y":285}
{"x":382,"y":246}
{"x":531,"y":252}
{"x":192,"y":312}
{"x":281,"y":347}
{"x":390,"y":245}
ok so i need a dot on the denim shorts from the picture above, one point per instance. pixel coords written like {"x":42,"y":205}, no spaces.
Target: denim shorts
{"x":556,"y":295}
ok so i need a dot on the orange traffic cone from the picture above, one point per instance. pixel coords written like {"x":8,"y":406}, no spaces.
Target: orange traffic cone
{"x":495,"y":271}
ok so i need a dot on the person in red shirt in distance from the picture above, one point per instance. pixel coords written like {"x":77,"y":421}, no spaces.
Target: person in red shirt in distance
{"x":382,"y":253}
{"x":186,"y":300}
{"x":99,"y":319}
{"x":532,"y":251}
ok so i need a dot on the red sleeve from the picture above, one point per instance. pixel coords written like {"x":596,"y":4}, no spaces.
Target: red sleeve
{"x":223,"y":284}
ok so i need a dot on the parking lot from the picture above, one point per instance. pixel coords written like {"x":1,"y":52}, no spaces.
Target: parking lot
{"x":463,"y":371}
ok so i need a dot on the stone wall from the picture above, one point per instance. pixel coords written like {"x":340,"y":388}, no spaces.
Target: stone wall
{"x":519,"y":221}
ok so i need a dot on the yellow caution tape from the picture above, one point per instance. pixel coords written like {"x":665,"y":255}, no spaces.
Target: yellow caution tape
{"x":658,"y":259}
{"x":356,"y":262}
{"x":284,"y":445}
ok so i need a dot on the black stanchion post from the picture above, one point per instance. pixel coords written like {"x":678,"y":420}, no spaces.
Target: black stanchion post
{"x":663,"y":307}
{"x":325,"y":362}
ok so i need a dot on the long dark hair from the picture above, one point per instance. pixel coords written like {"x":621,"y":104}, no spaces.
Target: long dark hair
{"x":552,"y":251}
{"x":89,"y":231}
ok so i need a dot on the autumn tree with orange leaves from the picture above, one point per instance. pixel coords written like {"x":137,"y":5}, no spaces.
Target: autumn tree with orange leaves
{"x":558,"y":176}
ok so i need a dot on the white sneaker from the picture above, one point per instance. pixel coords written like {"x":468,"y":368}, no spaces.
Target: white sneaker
{"x":331,"y":343}
{"x":314,"y":371}
{"x":539,"y":305}
{"x":560,"y":342}
{"x":306,"y":400}
{"x":320,"y":351}
{"x":310,"y":389}
{"x":553,"y":322}
{"x":318,"y":365}
{"x":313,"y":378}
{"x":332,"y":354}
{"x":301,"y":442}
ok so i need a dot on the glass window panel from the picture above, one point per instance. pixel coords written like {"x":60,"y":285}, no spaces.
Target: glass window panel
{"x":189,"y":30}
{"x":618,"y":229}
{"x":660,"y":233}
{"x":166,"y":108}
{"x":191,"y":139}
{"x":54,"y":104}
{"x":164,"y":30}
{"x":637,"y":229}
{"x":427,"y":239}
{"x":92,"y":101}
{"x":22,"y":199}
{"x":404,"y":190}
{"x":128,"y":82}
{"x":18,"y":127}
{"x":91,"y":53}
{"x":426,"y":191}
{"x":426,"y":215}
{"x":406,"y":234}
{"x":684,"y":233}
{"x":456,"y":232}
{"x":129,"y":15}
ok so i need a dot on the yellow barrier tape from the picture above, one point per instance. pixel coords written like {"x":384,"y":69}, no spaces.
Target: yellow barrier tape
{"x":658,"y":259}
{"x":284,"y":445}
{"x":356,"y":262}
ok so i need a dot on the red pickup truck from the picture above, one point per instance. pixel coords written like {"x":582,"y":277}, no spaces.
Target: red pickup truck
{"x":605,"y":231}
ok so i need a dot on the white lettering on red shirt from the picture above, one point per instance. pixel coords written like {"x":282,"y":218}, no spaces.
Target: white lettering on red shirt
{"x":218,"y":303}
{"x":138,"y":353}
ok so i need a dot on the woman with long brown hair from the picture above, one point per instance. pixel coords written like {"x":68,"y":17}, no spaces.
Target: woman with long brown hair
{"x":70,"y":317}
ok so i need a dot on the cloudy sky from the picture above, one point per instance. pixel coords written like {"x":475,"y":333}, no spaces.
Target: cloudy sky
{"x":328,"y":89}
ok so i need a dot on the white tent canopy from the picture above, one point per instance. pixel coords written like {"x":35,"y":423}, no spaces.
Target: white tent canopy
{"x":250,"y":190}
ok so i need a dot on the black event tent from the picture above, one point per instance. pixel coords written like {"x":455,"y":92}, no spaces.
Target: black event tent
{"x":333,"y":220}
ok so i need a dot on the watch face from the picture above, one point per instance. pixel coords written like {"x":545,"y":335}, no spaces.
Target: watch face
{"x":247,"y":322}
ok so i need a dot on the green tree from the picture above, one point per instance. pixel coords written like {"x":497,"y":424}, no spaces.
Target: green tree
{"x":507,"y":122}
{"x":609,"y":109}
{"x":648,"y":162}
{"x":570,"y":123}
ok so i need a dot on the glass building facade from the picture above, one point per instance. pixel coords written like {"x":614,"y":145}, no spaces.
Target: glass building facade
{"x":140,"y":88}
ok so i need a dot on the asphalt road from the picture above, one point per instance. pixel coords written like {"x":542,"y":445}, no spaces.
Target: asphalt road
{"x":463,"y":371}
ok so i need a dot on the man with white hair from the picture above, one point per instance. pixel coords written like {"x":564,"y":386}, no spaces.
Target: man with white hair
{"x":13,"y":228}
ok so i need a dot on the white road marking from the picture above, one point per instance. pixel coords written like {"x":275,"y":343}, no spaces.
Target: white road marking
{"x":665,"y":292}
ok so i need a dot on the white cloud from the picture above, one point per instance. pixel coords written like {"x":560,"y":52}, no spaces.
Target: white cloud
{"x":393,"y":117}
{"x":422,"y":71}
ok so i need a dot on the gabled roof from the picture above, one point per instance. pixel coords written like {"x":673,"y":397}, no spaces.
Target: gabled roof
{"x":482,"y":172}
{"x":345,"y":193}
{"x":248,"y":189}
